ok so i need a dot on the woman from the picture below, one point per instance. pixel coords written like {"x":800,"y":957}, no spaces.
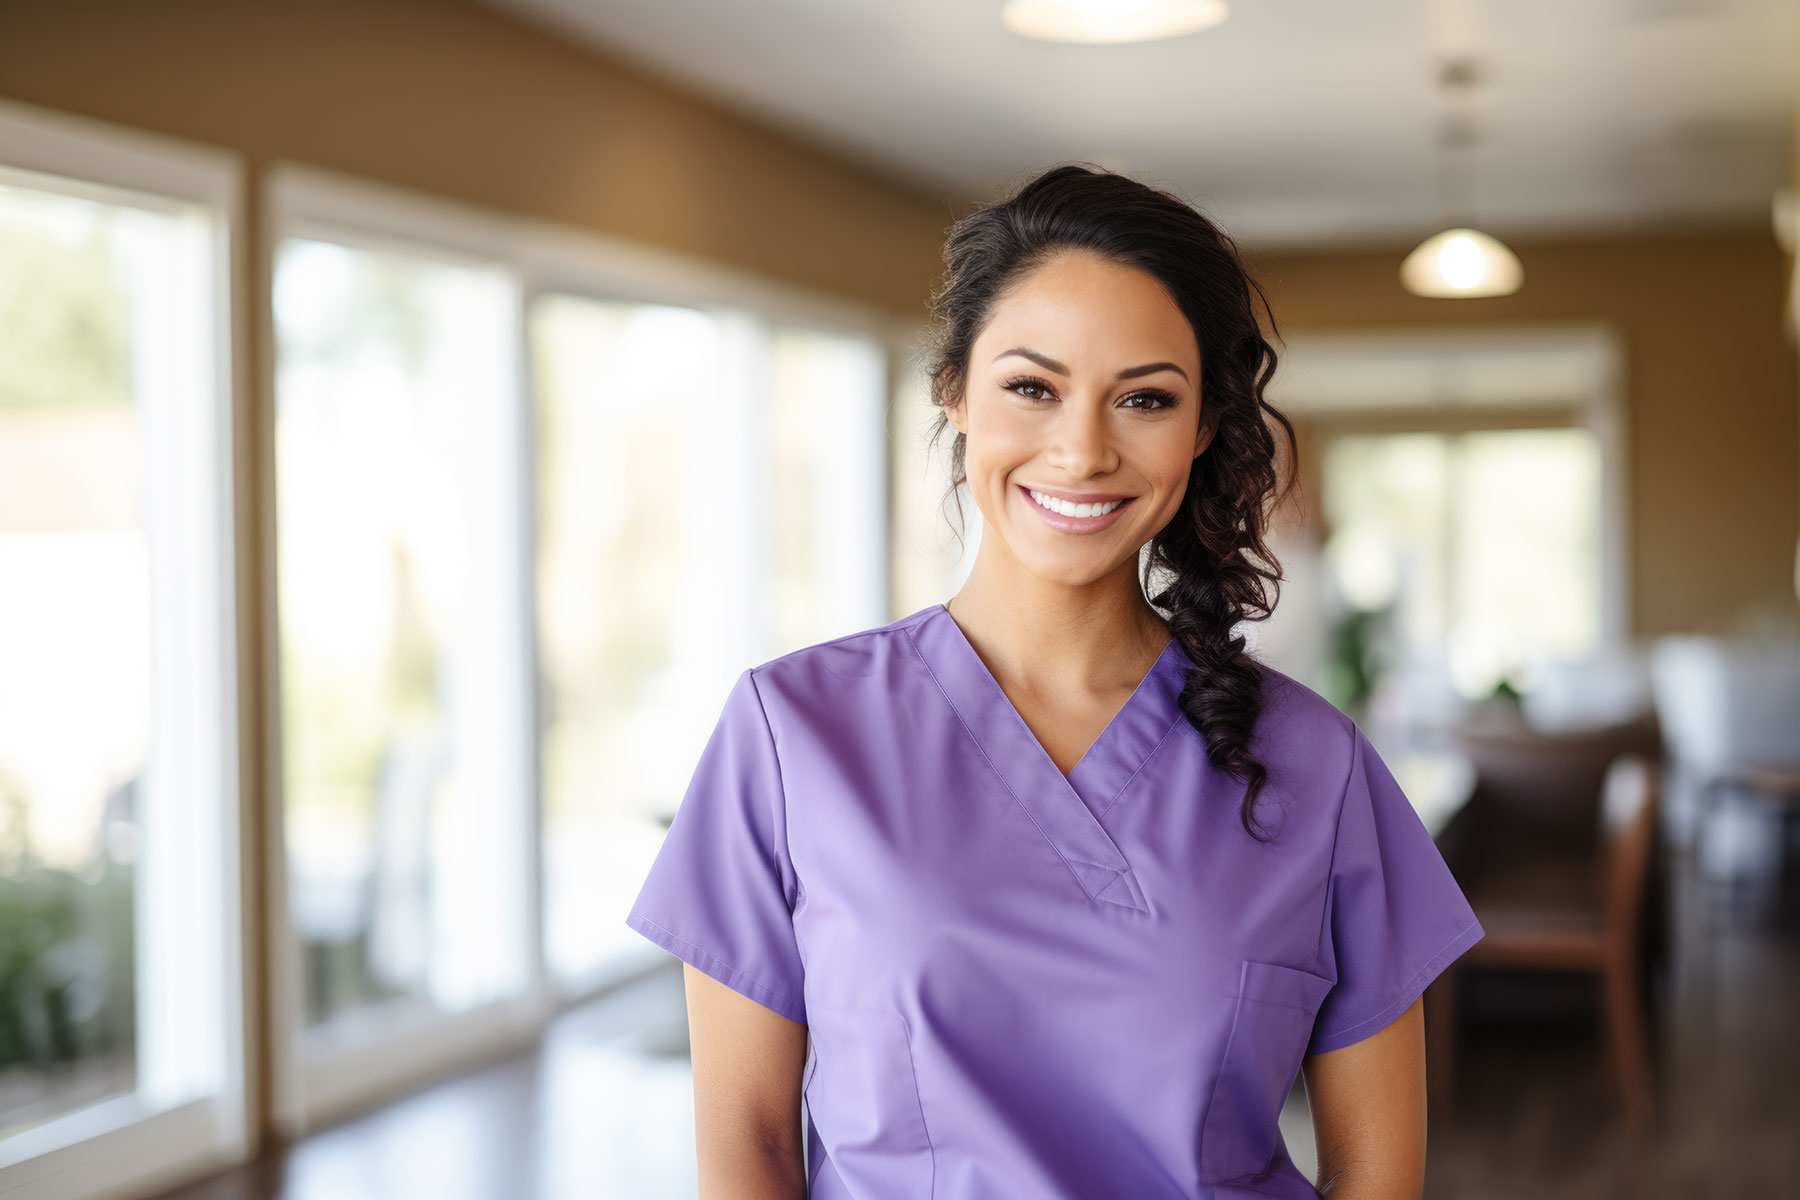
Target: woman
{"x":1051,"y":891}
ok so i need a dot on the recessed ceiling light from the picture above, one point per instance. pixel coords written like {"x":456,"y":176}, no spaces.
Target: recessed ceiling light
{"x":1110,"y":20}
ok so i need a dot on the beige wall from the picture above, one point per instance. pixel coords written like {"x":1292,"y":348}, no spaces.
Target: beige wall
{"x":1710,"y":392}
{"x":450,"y":97}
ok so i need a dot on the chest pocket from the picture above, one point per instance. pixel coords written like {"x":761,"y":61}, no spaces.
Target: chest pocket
{"x":1269,"y":1031}
{"x":863,"y":1101}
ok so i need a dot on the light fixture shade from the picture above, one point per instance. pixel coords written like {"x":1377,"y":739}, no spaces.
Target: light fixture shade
{"x":1461,"y":262}
{"x":1110,"y":20}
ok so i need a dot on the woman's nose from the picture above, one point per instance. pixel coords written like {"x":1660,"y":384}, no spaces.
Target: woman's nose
{"x":1081,"y":440}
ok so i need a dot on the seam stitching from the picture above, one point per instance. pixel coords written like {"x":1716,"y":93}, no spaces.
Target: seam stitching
{"x":780,"y":995}
{"x":1167,"y":734}
{"x":982,"y":750}
{"x":1385,"y":1015}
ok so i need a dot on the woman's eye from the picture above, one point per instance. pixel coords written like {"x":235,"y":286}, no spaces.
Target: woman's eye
{"x":1155,"y":400}
{"x":1020,"y":386}
{"x":1148,"y":401}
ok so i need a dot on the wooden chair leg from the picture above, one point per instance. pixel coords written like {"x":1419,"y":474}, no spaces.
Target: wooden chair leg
{"x":1440,"y":1037}
{"x":1626,"y":1038}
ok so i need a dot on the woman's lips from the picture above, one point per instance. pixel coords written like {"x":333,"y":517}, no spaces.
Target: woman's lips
{"x":1074,"y":524}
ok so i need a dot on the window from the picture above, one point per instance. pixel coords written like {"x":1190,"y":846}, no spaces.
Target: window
{"x":827,"y":449}
{"x":397,"y":558}
{"x":711,"y":492}
{"x":1461,"y":523}
{"x":1485,"y":545}
{"x":637,"y":498}
{"x":539,"y":498}
{"x":536,"y":499}
{"x":120,"y":999}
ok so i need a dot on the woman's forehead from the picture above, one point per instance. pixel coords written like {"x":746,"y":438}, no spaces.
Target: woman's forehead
{"x":1090,"y":315}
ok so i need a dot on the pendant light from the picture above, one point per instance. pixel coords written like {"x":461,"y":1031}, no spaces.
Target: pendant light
{"x":1110,"y":21}
{"x":1462,"y":261}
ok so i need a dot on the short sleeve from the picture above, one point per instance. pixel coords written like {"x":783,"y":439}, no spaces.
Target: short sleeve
{"x":720,"y":892}
{"x":1394,"y":915}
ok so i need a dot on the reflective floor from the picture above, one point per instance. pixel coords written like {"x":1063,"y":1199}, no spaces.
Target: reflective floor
{"x":603,"y":1110}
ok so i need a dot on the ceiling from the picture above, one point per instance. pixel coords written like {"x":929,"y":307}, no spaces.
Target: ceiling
{"x":1295,"y":122}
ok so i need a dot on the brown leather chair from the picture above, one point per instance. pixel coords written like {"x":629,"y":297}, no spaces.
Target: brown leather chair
{"x":1540,"y":914}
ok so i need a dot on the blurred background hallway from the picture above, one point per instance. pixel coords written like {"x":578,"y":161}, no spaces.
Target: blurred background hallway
{"x":414,"y":415}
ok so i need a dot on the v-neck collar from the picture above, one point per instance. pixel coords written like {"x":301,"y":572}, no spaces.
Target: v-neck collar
{"x":1066,"y":809}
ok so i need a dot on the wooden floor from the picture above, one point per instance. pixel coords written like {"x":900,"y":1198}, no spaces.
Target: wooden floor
{"x":603,"y":1110}
{"x":1533,"y":1111}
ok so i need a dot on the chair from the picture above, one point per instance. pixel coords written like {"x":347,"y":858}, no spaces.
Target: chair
{"x":1731,"y":711}
{"x":1538,"y":791}
{"x":1539,"y":915}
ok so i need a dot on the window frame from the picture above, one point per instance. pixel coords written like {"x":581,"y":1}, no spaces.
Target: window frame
{"x":129,"y":1141}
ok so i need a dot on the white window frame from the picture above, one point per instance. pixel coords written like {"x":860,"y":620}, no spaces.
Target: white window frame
{"x":191,"y":910}
{"x":313,"y":1087}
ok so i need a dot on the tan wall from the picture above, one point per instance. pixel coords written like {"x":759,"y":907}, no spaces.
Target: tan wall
{"x":1710,"y":393}
{"x":450,"y":97}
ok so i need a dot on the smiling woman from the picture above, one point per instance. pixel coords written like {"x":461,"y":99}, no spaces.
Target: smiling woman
{"x":1103,"y":283}
{"x":997,"y":858}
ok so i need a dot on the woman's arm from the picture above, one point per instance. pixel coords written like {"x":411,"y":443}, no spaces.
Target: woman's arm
{"x":747,"y":1064}
{"x":1368,"y":1112}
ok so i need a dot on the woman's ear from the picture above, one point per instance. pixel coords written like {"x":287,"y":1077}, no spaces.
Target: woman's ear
{"x":955,"y":402}
{"x":1204,"y":437}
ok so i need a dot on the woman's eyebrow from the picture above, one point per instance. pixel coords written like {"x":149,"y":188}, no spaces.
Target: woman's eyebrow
{"x":1050,"y":364}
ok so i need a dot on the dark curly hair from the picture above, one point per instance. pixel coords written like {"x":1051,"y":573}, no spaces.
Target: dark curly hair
{"x":1212,"y":552}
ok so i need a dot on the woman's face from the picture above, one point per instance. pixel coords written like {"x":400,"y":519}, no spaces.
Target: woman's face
{"x":1083,"y":388}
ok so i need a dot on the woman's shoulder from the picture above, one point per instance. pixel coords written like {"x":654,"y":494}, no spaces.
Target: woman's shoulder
{"x":1299,"y":708}
{"x":865,"y":654}
{"x":1298,"y":724}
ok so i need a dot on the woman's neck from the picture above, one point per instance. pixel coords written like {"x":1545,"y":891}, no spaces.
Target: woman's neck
{"x":1046,"y":635}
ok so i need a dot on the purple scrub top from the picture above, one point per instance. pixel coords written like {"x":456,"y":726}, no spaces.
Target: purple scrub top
{"x":1019,"y":984}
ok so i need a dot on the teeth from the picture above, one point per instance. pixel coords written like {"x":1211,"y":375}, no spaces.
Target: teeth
{"x":1074,"y":510}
